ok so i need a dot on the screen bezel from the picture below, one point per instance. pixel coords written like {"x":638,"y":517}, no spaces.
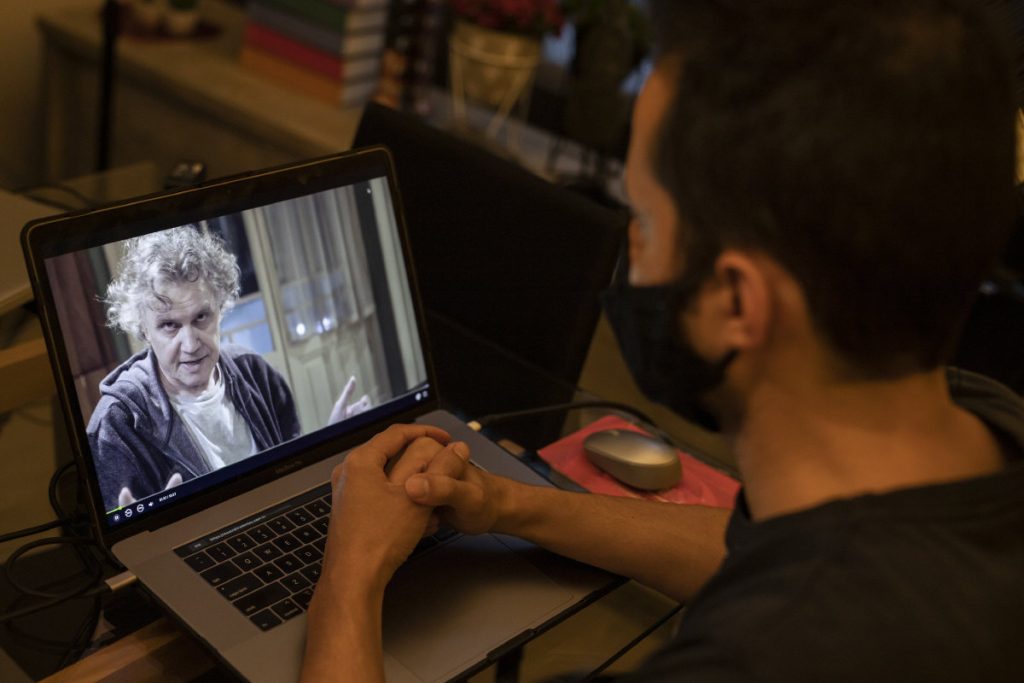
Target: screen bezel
{"x":55,"y":236}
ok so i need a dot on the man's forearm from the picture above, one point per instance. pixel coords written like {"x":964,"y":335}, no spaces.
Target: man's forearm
{"x":344,"y":641}
{"x":672,"y":548}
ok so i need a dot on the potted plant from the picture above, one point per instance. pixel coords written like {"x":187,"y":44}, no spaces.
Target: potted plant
{"x":182,"y":17}
{"x":495,"y":48}
{"x":531,"y":18}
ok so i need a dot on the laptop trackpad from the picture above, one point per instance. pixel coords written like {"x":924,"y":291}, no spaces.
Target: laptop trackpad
{"x":445,"y":611}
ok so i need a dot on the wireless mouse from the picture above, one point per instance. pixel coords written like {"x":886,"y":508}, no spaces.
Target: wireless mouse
{"x":635,"y":459}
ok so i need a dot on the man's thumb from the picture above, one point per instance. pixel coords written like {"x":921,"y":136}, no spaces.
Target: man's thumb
{"x":417,"y":488}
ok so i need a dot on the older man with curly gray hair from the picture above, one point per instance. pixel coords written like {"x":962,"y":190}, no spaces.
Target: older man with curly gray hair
{"x":186,"y":405}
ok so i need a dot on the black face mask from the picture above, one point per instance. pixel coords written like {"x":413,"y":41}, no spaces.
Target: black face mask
{"x":664,"y":364}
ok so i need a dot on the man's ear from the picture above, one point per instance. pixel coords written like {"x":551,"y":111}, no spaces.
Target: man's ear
{"x":746,"y":296}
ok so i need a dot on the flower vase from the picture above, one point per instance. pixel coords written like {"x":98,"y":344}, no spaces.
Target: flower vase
{"x":492,"y":68}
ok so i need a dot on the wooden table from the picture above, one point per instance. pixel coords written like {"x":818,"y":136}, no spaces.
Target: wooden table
{"x":158,"y":652}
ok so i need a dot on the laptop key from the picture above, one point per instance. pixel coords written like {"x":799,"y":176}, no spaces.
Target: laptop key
{"x":307,"y":534}
{"x":221,"y":573}
{"x":265,"y":597}
{"x":303,"y":597}
{"x":286,"y":609}
{"x":309,"y":554}
{"x":247,"y":561}
{"x":267,"y":552}
{"x":243,"y":585}
{"x":280,"y":525}
{"x":199,"y":561}
{"x":320,"y":544}
{"x":300,"y":516}
{"x":288,"y":564}
{"x":265,"y":620}
{"x":221,"y":552}
{"x":311,"y":572}
{"x":319,"y":509}
{"x":286,"y":543}
{"x":322,"y":524}
{"x":268,"y":572}
{"x":189,"y":548}
{"x":241,"y":543}
{"x":295,"y":582}
{"x":261,"y":534}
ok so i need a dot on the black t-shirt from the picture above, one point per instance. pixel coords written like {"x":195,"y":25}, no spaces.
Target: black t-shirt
{"x":924,"y":584}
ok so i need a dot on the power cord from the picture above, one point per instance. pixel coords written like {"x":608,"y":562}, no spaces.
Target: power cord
{"x":109,"y":586}
{"x":487,"y":420}
{"x":32,"y":530}
{"x":92,"y":586}
{"x":63,"y":519}
{"x":51,"y":490}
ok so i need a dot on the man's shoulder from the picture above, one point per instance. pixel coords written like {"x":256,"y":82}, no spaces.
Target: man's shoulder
{"x":136,"y":369}
{"x":249,"y":366}
{"x":829,"y":594}
{"x":128,"y":389}
{"x":243,"y":356}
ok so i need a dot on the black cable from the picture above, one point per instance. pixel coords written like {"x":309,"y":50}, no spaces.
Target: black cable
{"x":73,"y":649}
{"x":35,"y":641}
{"x":488,"y":420}
{"x":84,"y":592}
{"x":43,"y":643}
{"x":51,"y":489}
{"x":93,"y":586}
{"x":53,"y":492}
{"x":631,"y":644}
{"x":95,"y":568}
{"x":84,"y":636}
{"x":29,"y":531}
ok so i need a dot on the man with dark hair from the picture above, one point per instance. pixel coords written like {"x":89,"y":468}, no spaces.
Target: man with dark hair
{"x":819,"y":189}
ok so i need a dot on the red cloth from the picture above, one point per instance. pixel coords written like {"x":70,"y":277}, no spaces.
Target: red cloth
{"x":700,"y":484}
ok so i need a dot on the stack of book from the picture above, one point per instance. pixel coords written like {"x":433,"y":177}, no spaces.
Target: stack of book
{"x":327,"y":49}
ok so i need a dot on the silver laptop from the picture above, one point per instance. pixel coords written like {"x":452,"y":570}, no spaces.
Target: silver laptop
{"x":216,"y":493}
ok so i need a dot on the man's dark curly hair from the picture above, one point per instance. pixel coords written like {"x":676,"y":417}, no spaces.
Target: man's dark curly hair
{"x":866,"y":145}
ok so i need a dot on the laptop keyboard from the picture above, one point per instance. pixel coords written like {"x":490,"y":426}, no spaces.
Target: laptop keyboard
{"x":268,"y":564}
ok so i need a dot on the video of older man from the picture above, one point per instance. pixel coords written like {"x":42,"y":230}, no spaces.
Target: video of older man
{"x":197,"y":347}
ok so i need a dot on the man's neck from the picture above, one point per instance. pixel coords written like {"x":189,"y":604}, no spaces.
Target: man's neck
{"x":177,"y":391}
{"x":802,"y":446}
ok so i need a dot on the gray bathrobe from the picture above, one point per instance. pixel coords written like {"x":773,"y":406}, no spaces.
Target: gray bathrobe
{"x":138,"y":440}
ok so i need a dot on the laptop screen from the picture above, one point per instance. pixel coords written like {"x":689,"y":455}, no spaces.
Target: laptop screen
{"x":209,"y":348}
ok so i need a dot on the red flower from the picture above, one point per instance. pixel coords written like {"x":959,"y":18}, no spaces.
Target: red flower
{"x":533,"y":17}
